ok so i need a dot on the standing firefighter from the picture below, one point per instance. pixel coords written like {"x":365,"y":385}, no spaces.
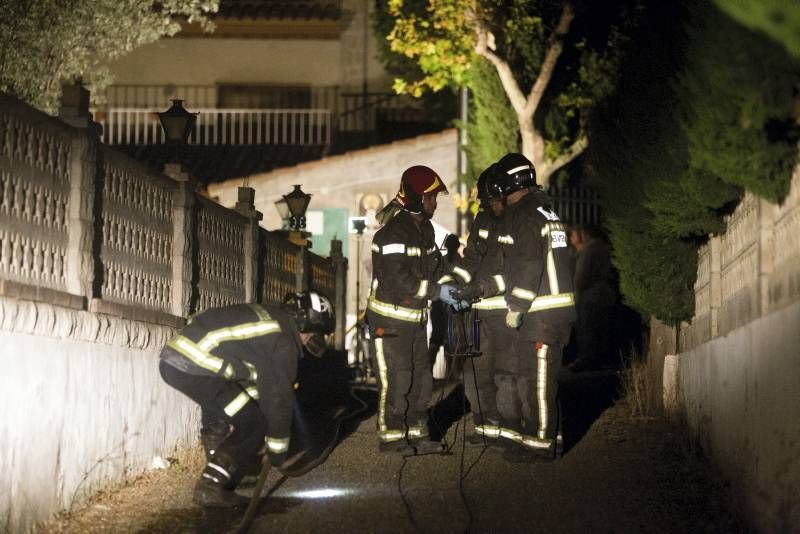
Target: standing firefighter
{"x":239,"y":363}
{"x":541,"y":305}
{"x":489,"y":380}
{"x":405,"y":263}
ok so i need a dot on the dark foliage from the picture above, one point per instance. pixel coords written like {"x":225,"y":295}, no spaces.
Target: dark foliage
{"x":703,"y":111}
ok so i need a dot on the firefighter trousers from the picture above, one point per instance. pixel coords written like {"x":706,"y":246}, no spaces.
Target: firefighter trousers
{"x":479,"y":372}
{"x":220,"y":400}
{"x":400,"y":351}
{"x":537,"y":384}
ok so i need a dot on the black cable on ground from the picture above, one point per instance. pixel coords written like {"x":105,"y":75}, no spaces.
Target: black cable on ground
{"x":462,"y":475}
{"x":448,"y":377}
{"x":252,"y":507}
{"x":461,"y":460}
{"x":407,"y":504}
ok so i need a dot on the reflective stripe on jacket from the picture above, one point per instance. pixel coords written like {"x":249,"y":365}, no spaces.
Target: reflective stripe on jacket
{"x":537,"y":269}
{"x":257,"y":347}
{"x":405,"y":266}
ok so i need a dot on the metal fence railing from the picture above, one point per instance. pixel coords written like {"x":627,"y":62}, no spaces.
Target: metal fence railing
{"x":137,"y":126}
{"x":575,"y":205}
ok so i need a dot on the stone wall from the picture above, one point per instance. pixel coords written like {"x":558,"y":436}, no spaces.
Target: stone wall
{"x":737,"y":367}
{"x":101,"y":259}
{"x":83,"y":407}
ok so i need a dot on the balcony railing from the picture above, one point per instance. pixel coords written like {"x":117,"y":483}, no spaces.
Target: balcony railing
{"x":215,"y":126}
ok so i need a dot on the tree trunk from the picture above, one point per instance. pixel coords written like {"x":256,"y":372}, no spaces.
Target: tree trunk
{"x":533,"y":142}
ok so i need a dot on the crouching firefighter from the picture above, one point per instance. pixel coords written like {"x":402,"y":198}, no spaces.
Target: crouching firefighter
{"x":405,"y":263}
{"x":239,"y":363}
{"x":489,"y":380}
{"x":541,"y":305}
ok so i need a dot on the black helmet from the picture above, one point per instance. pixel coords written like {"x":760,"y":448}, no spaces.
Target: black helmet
{"x":311,"y":311}
{"x":516,"y":173}
{"x":487,"y":177}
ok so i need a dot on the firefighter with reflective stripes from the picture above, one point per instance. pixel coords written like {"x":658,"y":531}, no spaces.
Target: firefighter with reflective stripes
{"x":540,"y":302}
{"x":239,"y":363}
{"x":489,"y":380}
{"x":405,"y":265}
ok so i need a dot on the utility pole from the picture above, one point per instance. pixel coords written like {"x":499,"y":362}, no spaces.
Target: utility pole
{"x":365,"y":59}
{"x":462,"y":157}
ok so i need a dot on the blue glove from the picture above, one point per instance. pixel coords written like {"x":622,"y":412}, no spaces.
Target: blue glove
{"x":445,"y":294}
{"x":513,"y":319}
{"x":461,"y":305}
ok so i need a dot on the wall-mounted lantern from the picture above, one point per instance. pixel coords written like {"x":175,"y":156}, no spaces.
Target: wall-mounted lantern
{"x":297,"y":202}
{"x":292,"y":209}
{"x":178,"y":125}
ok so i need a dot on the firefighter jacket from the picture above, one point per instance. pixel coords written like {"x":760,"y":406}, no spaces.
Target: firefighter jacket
{"x":256,"y":346}
{"x":405,"y":263}
{"x":537,"y":270}
{"x":482,"y":263}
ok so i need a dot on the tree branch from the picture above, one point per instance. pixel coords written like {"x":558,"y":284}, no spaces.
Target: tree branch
{"x":550,"y":59}
{"x":574,"y":150}
{"x":510,"y":85}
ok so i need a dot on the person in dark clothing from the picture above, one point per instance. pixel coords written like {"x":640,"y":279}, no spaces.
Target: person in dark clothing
{"x":405,"y":265}
{"x":541,"y":304}
{"x":239,"y":363}
{"x":489,"y":379}
{"x":595,"y":297}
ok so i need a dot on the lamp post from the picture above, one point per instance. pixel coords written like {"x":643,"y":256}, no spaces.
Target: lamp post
{"x":361,"y":359}
{"x":178,"y":125}
{"x":292,"y":208}
{"x":297,"y":202}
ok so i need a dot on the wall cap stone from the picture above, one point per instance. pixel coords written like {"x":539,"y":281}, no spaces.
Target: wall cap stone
{"x":21,"y":291}
{"x":135,"y":313}
{"x":48,"y":320}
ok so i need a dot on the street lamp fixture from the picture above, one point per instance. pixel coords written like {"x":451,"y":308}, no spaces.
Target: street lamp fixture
{"x":297,"y":203}
{"x":177,"y":124}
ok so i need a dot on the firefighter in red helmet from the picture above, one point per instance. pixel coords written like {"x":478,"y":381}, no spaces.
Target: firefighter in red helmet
{"x":405,"y":265}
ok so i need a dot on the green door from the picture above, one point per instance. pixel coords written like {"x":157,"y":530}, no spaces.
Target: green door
{"x":326,"y":224}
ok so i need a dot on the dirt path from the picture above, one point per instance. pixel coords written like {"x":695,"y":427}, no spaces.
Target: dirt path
{"x":618,"y":475}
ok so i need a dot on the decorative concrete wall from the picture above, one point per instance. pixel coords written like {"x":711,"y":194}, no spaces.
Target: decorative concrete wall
{"x":101,"y":259}
{"x":737,"y":367}
{"x":741,"y":397}
{"x":749,"y":271}
{"x":83,"y":407}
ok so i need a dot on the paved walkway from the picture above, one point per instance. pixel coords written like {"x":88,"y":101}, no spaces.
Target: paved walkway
{"x":617,"y":475}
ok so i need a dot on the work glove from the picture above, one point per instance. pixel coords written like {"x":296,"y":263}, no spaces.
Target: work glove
{"x":513,"y":319}
{"x":461,"y":305}
{"x":446,"y":294}
{"x":469,"y":292}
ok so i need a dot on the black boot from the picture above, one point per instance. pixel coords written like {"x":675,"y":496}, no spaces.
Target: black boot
{"x":478,"y":440}
{"x":400,"y":446}
{"x":426,"y":446}
{"x":520,"y":454}
{"x":212,"y":435}
{"x":211,"y":494}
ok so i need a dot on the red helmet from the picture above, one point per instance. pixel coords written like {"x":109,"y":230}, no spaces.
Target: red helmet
{"x":416,"y":182}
